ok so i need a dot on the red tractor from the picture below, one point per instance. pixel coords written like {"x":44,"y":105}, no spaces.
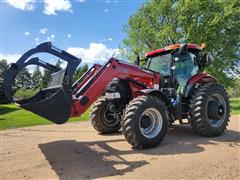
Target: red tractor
{"x":143,"y":101}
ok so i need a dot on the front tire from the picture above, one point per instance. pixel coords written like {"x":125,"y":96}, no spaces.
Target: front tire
{"x":145,"y":122}
{"x":101,"y":118}
{"x":209,"y":110}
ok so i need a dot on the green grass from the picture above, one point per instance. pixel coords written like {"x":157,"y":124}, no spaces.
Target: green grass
{"x":12,"y":116}
{"x":235,"y":105}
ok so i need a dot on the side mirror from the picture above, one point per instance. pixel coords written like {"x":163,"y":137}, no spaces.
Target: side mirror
{"x":207,"y":59}
{"x":183,"y":49}
{"x":137,"y":60}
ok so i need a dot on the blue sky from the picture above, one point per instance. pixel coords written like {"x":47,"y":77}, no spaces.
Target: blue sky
{"x":90,"y":29}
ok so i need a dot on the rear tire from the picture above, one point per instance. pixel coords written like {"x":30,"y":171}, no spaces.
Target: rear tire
{"x":209,"y":110}
{"x":145,"y":122}
{"x":101,"y":118}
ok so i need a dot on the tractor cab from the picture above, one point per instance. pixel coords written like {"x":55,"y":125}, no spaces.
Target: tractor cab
{"x":177,"y":64}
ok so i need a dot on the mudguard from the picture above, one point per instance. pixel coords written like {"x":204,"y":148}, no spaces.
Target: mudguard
{"x":160,"y":95}
{"x":198,"y":78}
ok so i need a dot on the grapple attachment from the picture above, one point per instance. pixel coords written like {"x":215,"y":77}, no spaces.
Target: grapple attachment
{"x":54,"y":102}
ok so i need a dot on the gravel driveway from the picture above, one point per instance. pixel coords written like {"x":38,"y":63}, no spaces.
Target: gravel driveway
{"x":76,"y":151}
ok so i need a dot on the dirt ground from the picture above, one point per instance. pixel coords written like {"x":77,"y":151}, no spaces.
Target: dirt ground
{"x":76,"y":151}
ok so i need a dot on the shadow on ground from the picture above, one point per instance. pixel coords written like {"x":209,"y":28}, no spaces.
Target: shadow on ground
{"x":5,"y":110}
{"x":97,"y":159}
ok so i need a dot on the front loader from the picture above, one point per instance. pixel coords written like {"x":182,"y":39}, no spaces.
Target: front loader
{"x":142,"y":101}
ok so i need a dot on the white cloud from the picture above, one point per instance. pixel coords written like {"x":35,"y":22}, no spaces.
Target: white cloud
{"x":50,"y":6}
{"x":106,"y":10}
{"x":37,"y":40}
{"x":11,"y":58}
{"x":43,"y":31}
{"x":27,"y":33}
{"x":108,"y":1}
{"x":81,"y":1}
{"x":26,"y":5}
{"x":50,"y":38}
{"x":69,"y":35}
{"x":95,"y":53}
{"x":106,"y":39}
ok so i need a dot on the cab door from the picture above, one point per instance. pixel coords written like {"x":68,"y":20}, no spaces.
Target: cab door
{"x":186,"y":66}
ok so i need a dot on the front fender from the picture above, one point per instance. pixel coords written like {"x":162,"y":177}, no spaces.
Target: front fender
{"x":158,"y":94}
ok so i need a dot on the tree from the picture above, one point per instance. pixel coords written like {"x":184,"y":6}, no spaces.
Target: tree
{"x":3,"y":67}
{"x":58,"y":63}
{"x":80,"y":71}
{"x":23,"y":79}
{"x":47,"y":74}
{"x":215,"y":23}
{"x":3,"y":98}
{"x":37,"y":78}
{"x":235,"y":91}
{"x":46,"y":78}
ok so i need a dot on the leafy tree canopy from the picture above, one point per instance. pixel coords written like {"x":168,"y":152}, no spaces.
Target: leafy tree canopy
{"x":23,"y":79}
{"x":3,"y":67}
{"x":80,"y":71}
{"x":37,"y":78}
{"x":214,"y":22}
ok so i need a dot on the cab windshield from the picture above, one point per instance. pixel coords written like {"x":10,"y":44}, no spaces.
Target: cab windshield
{"x":160,"y":63}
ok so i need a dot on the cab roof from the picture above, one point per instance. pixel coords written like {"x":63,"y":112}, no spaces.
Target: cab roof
{"x":171,"y":47}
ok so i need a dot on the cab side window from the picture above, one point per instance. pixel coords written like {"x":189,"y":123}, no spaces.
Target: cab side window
{"x":186,"y":67}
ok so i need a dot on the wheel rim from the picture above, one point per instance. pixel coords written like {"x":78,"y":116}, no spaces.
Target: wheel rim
{"x":109,"y":119}
{"x":150,"y":123}
{"x":216,"y":112}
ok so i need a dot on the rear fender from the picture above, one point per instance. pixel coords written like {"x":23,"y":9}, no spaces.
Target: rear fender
{"x":198,"y":79}
{"x":160,"y":95}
